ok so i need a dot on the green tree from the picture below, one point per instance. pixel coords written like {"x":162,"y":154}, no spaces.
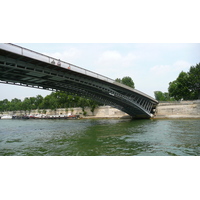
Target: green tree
{"x":45,"y":103}
{"x":26,"y":104}
{"x":126,"y":81}
{"x":179,"y":89}
{"x":187,"y":85}
{"x":5,"y":105}
{"x":53,"y":101}
{"x":118,"y":80}
{"x":38,"y":101}
{"x":15,"y":104}
{"x":194,"y":81}
{"x":160,"y":96}
{"x":32,"y":103}
{"x":92,"y":105}
{"x":70,"y":101}
{"x":1,"y":106}
{"x":83,"y":103}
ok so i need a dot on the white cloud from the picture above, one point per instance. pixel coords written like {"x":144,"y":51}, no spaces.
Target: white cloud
{"x":178,"y":66}
{"x":114,"y":58}
{"x":115,"y":64}
{"x":109,"y":58}
{"x":70,"y":55}
{"x":129,"y":58}
{"x":161,"y":69}
{"x":181,"y":65}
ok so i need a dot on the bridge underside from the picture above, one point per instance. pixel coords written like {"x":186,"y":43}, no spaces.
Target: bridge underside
{"x":19,"y":70}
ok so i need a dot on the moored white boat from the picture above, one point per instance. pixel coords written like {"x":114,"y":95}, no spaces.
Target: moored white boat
{"x":6,"y":117}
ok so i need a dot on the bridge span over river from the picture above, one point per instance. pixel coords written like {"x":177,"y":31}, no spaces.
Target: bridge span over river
{"x":24,"y":67}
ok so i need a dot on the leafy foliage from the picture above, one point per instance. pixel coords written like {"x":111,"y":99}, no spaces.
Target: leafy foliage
{"x":126,"y":81}
{"x":187,"y":85}
{"x":179,"y":88}
{"x":160,"y":96}
{"x":53,"y":101}
{"x":194,"y":80}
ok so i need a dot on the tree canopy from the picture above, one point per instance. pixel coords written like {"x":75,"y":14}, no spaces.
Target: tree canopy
{"x":53,"y":101}
{"x":162,"y":96}
{"x":194,"y":80}
{"x":187,"y":85}
{"x":126,"y":81}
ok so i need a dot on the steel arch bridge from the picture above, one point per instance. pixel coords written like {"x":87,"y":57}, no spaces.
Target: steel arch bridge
{"x":24,"y":67}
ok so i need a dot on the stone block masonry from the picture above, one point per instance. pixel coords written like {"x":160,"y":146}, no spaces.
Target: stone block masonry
{"x":100,"y":112}
{"x":182,"y":109}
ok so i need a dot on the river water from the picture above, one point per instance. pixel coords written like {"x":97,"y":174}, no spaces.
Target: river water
{"x":102,"y":137}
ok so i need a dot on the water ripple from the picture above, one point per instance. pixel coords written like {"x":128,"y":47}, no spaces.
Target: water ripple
{"x":99,"y":137}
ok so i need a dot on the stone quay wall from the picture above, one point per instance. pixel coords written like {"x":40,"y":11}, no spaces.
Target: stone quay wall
{"x":182,"y":109}
{"x":100,"y":112}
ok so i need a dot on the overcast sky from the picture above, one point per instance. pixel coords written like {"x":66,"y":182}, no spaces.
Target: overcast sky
{"x":151,"y":65}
